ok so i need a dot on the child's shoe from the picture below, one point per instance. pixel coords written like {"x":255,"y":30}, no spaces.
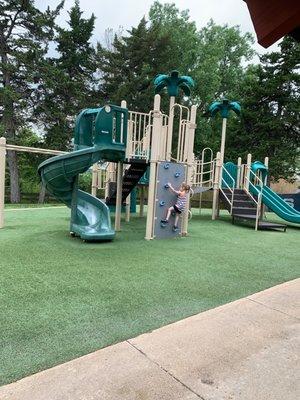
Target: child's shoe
{"x":175,"y":228}
{"x":163,"y":223}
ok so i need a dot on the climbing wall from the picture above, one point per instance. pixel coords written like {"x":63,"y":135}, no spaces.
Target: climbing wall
{"x":167,"y":173}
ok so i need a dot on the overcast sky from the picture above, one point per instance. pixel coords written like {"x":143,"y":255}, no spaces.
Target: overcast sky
{"x":127,"y":13}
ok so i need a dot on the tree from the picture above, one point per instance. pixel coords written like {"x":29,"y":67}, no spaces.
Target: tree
{"x":70,"y":82}
{"x":128,"y":70}
{"x":220,"y":65}
{"x":182,"y":32}
{"x":24,"y":35}
{"x":270,"y":112}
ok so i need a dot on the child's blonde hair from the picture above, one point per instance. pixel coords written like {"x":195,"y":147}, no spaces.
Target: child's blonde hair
{"x":185,"y":187}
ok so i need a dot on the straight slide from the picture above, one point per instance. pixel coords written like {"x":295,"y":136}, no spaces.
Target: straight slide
{"x":90,"y":217}
{"x":276,"y":203}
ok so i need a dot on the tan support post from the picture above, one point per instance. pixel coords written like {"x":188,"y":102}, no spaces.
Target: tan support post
{"x":2,"y":178}
{"x":123,"y":105}
{"x":263,"y":208}
{"x":154,"y":145}
{"x":247,"y":172}
{"x":266,"y":162}
{"x":94,"y":179}
{"x":118,"y":210}
{"x":170,"y":129}
{"x":127,"y":209}
{"x":239,"y":170}
{"x":216,"y":186}
{"x":189,"y":145}
{"x":142,"y":199}
{"x":223,"y":139}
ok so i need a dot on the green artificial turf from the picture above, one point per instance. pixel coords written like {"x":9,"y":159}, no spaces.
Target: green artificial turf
{"x":62,"y":298}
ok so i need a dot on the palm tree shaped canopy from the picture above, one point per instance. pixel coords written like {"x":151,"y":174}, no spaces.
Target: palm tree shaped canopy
{"x":173,"y":82}
{"x":224,"y":107}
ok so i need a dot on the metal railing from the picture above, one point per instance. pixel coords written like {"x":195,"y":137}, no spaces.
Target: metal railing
{"x":205,"y":169}
{"x":38,"y":150}
{"x":246,"y":184}
{"x":231,"y":189}
{"x":139,"y":135}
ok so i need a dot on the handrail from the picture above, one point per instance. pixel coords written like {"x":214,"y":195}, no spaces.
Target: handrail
{"x":26,"y":149}
{"x":230,"y":189}
{"x":259,"y":194}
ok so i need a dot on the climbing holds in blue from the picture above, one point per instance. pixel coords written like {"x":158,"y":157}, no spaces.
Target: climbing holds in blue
{"x":162,"y":203}
{"x":177,"y":174}
{"x":167,"y":166}
{"x":167,"y":186}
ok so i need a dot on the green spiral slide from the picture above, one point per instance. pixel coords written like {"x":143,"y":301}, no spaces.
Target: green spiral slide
{"x":100,"y":135}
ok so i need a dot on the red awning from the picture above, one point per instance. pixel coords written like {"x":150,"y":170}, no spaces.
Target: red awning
{"x":273,"y":19}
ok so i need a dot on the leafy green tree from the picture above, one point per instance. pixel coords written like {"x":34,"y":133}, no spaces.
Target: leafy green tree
{"x":182,"y":33}
{"x":70,"y":81}
{"x":270,"y":123}
{"x":222,"y":54}
{"x":128,"y":70}
{"x":24,"y":35}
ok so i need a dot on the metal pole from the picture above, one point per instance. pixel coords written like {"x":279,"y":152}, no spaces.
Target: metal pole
{"x":2,"y":178}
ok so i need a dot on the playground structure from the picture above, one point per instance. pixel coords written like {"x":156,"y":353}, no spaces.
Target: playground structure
{"x":129,"y":149}
{"x":129,"y":146}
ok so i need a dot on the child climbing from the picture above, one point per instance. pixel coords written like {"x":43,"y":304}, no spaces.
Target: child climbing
{"x":179,"y":207}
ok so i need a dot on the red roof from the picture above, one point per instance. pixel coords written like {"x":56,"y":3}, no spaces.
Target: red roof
{"x":273,"y":19}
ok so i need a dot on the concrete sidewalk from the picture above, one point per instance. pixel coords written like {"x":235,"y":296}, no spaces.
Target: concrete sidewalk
{"x":245,"y":350}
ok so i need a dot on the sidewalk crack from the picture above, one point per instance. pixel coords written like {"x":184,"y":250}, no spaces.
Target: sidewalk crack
{"x":165,"y":370}
{"x":271,"y":308}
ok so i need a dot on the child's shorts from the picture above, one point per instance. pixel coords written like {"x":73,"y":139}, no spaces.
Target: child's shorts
{"x":176,"y":209}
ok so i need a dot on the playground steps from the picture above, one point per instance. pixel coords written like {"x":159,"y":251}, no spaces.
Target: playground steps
{"x":244,"y":209}
{"x":131,"y":178}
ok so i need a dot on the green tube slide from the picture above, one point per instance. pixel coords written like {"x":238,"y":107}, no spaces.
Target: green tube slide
{"x":90,"y":217}
{"x":100,"y":135}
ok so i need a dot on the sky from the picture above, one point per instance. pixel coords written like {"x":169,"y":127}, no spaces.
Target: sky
{"x":127,"y":13}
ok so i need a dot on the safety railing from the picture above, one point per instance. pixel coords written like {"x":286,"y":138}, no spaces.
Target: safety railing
{"x":139,"y":135}
{"x":38,"y":150}
{"x":182,"y":148}
{"x":183,"y":123}
{"x":164,"y":137}
{"x":247,"y":182}
{"x":231,"y":189}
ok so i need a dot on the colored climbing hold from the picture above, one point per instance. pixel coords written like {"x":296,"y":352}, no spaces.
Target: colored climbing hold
{"x":177,"y":174}
{"x":167,"y":166}
{"x":162,"y":203}
{"x":167,"y":186}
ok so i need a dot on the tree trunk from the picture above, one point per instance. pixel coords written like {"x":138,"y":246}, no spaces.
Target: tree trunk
{"x":12,"y":160}
{"x":42,"y":194}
